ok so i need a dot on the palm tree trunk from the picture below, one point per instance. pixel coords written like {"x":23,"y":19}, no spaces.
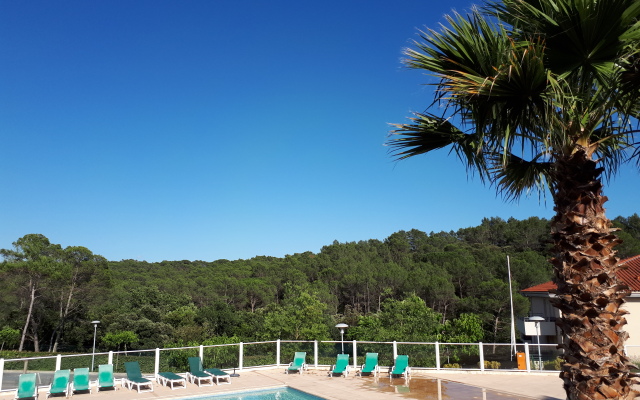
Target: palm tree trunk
{"x":589,"y":294}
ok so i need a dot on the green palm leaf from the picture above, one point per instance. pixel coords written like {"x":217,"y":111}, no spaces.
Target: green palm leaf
{"x":428,"y":132}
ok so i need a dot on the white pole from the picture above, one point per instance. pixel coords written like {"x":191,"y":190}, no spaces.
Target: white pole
{"x":481,"y":350}
{"x":315,"y":354}
{"x":156,"y":365}
{"x":539,"y":353}
{"x":95,"y":330}
{"x":355,"y":354}
{"x":513,"y":324}
{"x":1,"y":371}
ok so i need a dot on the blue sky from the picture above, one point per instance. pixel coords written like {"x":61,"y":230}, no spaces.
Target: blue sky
{"x":204,"y":130}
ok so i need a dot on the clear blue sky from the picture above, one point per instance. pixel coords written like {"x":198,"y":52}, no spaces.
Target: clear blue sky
{"x":202,"y":130}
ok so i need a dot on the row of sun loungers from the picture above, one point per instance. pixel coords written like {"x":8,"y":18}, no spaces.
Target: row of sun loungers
{"x":342,"y":368}
{"x":62,"y":384}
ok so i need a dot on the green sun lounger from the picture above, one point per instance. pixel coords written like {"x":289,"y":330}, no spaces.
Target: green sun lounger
{"x":401,"y":367}
{"x":341,"y":367}
{"x":135,"y":378}
{"x":105,"y":378}
{"x":27,"y":388}
{"x":298,"y":364}
{"x":171,"y":379}
{"x":370,"y":366}
{"x":218,"y":375}
{"x":197,"y":374}
{"x":60,"y":383}
{"x":80,"y":381}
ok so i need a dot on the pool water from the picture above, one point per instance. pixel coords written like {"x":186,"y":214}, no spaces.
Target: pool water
{"x":283,"y":393}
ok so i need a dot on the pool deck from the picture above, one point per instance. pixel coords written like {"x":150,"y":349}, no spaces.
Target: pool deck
{"x":317,"y":382}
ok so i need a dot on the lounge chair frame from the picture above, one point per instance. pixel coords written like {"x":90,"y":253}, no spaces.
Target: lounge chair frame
{"x":80,"y":381}
{"x":59,"y":383}
{"x":105,"y":378}
{"x":401,"y":367}
{"x":135,"y":378}
{"x":341,"y":367}
{"x":218,"y":374}
{"x":170,"y":379}
{"x":27,"y":387}
{"x":370,"y":366}
{"x":197,"y":374}
{"x":298,"y":364}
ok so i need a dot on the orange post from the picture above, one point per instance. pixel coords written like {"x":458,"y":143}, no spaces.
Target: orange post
{"x":522,"y":360}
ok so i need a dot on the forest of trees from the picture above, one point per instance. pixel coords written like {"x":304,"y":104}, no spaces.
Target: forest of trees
{"x":412,"y":286}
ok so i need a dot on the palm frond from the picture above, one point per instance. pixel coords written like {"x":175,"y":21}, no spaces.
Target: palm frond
{"x":580,"y":34}
{"x":428,"y":132}
{"x":541,"y":77}
{"x":514,"y":176}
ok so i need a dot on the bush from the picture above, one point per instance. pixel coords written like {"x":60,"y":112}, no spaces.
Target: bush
{"x":453,"y":365}
{"x":490,"y":364}
{"x":553,"y":364}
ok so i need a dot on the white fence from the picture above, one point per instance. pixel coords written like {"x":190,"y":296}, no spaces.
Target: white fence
{"x":525,"y":358}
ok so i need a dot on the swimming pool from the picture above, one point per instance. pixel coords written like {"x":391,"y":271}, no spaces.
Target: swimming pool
{"x":283,"y":393}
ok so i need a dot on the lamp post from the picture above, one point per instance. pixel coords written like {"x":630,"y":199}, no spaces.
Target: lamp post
{"x":95,"y":330}
{"x":342,"y":327}
{"x":537,"y":321}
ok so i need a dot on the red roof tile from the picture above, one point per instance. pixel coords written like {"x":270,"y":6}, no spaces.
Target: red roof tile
{"x":543,"y":287}
{"x":630,"y":276}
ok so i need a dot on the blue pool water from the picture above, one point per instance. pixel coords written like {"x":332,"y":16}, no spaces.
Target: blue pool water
{"x":284,"y":393}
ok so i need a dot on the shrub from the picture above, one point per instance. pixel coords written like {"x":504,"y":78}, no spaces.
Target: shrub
{"x":453,"y":365}
{"x":553,"y":364}
{"x":490,"y":364}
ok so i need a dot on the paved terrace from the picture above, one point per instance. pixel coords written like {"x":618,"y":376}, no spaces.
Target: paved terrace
{"x":422,"y":385}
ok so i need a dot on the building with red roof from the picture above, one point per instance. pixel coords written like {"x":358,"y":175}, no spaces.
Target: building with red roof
{"x":540,"y":295}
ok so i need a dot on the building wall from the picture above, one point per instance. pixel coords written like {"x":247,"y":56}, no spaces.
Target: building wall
{"x":633,"y":326}
{"x":541,"y":306}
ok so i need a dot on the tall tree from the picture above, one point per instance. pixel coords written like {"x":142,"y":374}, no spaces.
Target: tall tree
{"x":546,"y":95}
{"x":74,"y":277}
{"x":34,"y":258}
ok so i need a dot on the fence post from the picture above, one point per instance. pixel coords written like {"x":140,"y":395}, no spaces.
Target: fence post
{"x":278,"y":352}
{"x":315,"y":354}
{"x":110,"y":361}
{"x":202,"y":354}
{"x":437,"y":356}
{"x":58,"y":361}
{"x":481,"y":356}
{"x":241,"y":356}
{"x":156,"y":368}
{"x":1,"y":371}
{"x":526,"y":354}
{"x":395,"y":350}
{"x":355,"y":355}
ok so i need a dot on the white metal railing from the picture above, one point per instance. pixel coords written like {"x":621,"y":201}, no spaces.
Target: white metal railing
{"x":526,"y":358}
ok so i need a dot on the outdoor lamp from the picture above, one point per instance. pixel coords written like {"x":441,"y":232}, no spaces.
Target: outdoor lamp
{"x":537,"y":320}
{"x":342,"y":327}
{"x":93,"y":355}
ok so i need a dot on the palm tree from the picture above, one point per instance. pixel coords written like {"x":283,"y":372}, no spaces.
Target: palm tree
{"x":541,"y":95}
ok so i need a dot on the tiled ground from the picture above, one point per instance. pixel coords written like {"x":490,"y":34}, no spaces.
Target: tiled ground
{"x":432,"y":385}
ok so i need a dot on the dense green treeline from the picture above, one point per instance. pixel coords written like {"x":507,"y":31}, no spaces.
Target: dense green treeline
{"x":446,"y":286}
